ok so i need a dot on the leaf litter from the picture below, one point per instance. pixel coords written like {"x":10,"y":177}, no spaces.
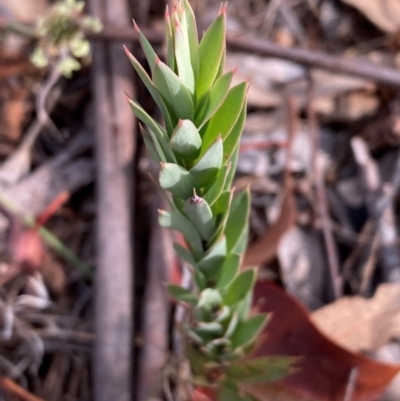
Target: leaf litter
{"x":53,"y":314}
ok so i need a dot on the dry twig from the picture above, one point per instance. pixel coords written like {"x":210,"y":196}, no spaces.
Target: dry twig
{"x":380,"y":204}
{"x":333,"y":260}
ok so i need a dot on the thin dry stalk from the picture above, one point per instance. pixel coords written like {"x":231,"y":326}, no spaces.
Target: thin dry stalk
{"x":321,"y":201}
{"x":380,"y":204}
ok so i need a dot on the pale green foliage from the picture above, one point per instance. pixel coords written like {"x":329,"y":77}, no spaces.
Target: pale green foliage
{"x":60,"y":34}
{"x":204,"y":118}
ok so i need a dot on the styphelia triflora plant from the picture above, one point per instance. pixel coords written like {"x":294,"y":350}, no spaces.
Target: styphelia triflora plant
{"x":198,"y":151}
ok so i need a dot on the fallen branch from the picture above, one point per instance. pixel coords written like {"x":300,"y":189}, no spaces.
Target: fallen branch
{"x":343,"y":65}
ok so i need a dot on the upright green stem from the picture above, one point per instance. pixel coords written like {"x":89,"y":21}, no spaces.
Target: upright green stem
{"x":197,"y":150}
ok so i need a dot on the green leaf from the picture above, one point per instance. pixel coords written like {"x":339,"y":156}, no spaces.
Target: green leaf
{"x":226,"y":394}
{"x":225,"y":118}
{"x":154,"y":127}
{"x":151,"y":88}
{"x":201,"y":281}
{"x":176,"y":180}
{"x":143,"y":116}
{"x":233,"y":139}
{"x":260,"y":370}
{"x":216,"y":188}
{"x":148,"y":50}
{"x":241,"y":245}
{"x":244,"y":306}
{"x":239,"y":287}
{"x":222,"y":64}
{"x":229,"y":270}
{"x":199,"y":213}
{"x":169,"y":41}
{"x":183,"y":61}
{"x":223,"y":314}
{"x":186,"y":140}
{"x":184,"y":254}
{"x":192,"y":36}
{"x":221,"y":210}
{"x":232,"y":325}
{"x":210,"y":53}
{"x":198,"y":361}
{"x":173,"y":91}
{"x":213,"y":261}
{"x":182,"y":294}
{"x":176,"y":221}
{"x":231,"y":174}
{"x":213,"y":328}
{"x":247,"y":331}
{"x":213,"y":99}
{"x":209,"y":299}
{"x":151,"y":139}
{"x":237,"y":219}
{"x":206,"y":169}
{"x":151,"y":146}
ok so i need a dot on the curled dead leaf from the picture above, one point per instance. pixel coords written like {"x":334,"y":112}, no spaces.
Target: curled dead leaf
{"x":361,"y":324}
{"x":385,"y":14}
{"x":325,"y":367}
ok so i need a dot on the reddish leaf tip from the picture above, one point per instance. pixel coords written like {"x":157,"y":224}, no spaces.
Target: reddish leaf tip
{"x":135,"y":26}
{"x":127,"y":52}
{"x":248,"y":84}
{"x":223,"y":9}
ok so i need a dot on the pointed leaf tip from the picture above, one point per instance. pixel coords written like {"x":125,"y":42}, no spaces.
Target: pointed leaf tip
{"x":223,"y":9}
{"x":135,"y":26}
{"x":127,"y":52}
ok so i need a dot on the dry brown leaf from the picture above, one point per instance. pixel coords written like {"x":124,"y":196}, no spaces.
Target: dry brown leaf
{"x":360,"y":324}
{"x":324,"y":367}
{"x":383,"y":13}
